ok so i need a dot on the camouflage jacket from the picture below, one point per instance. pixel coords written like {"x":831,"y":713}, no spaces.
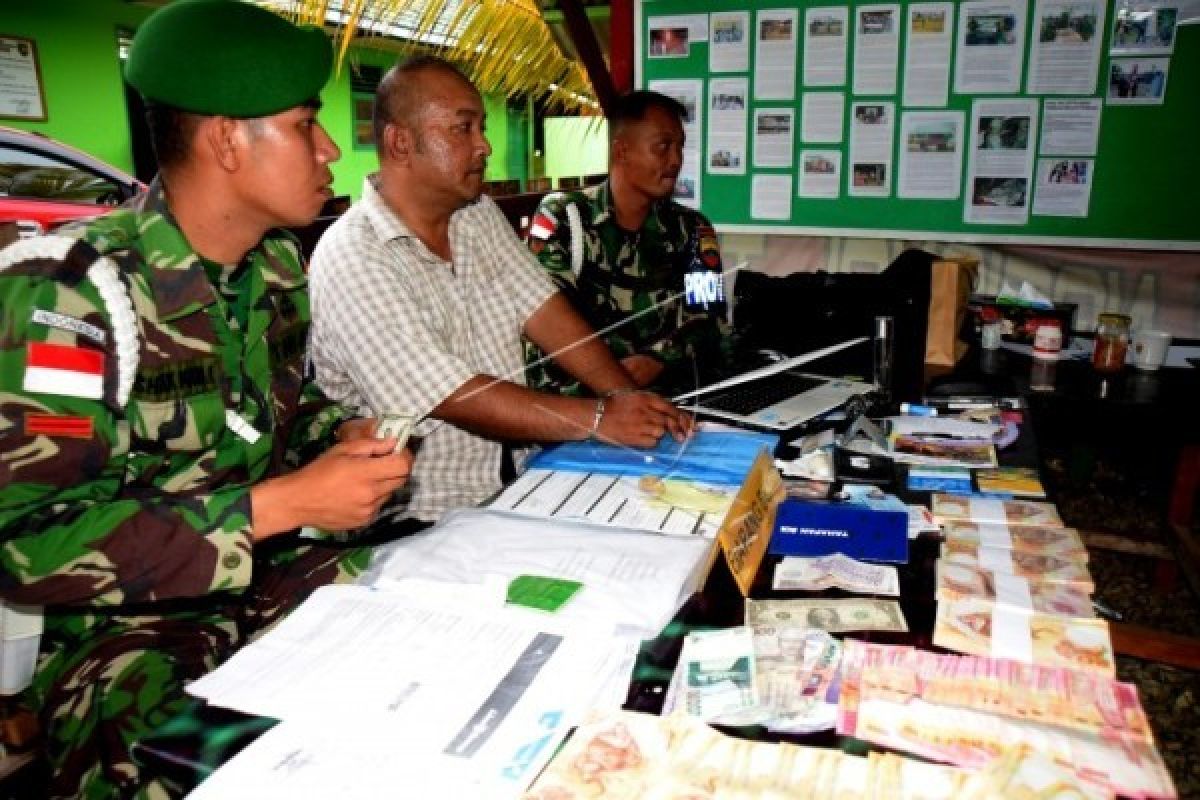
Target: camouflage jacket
{"x":123,"y":491}
{"x":635,"y":288}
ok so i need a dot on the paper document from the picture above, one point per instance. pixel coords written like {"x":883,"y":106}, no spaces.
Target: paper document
{"x":484,"y":695}
{"x":648,"y":503}
{"x":631,"y":581}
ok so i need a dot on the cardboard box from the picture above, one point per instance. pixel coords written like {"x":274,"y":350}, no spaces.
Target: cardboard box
{"x":872,"y":532}
{"x":1018,"y":323}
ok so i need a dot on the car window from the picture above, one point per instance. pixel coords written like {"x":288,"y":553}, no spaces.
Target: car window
{"x":36,"y":175}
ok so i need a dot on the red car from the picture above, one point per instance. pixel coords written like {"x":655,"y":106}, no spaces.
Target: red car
{"x":44,"y":183}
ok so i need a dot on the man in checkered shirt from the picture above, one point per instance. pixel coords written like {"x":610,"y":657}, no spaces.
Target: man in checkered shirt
{"x":420,"y":295}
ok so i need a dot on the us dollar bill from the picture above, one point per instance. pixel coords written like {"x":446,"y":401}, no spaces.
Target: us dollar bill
{"x":836,"y":615}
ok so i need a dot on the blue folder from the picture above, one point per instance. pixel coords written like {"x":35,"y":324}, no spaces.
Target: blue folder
{"x":718,"y":457}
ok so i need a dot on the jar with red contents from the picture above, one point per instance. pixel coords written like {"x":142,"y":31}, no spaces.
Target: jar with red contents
{"x":1112,"y":342}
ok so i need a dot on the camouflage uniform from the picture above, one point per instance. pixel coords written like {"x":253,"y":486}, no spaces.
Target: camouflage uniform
{"x":130,"y":521}
{"x":624,"y":273}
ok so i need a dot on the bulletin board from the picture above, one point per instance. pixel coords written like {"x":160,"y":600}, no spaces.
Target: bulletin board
{"x":1139,"y":185}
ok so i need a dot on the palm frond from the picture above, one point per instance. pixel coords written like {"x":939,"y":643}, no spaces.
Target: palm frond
{"x":504,"y":46}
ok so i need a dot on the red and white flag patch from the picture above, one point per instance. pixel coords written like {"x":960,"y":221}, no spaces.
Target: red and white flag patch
{"x":64,"y":370}
{"x":543,"y":226}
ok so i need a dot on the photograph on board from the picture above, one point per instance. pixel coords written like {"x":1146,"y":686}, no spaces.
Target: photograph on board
{"x":1003,"y":133}
{"x":1068,"y":27}
{"x":1001,"y":192}
{"x":1137,"y":81}
{"x":991,"y":29}
{"x":932,"y":137}
{"x":871,"y":114}
{"x":874,"y":22}
{"x":669,"y":43}
{"x":1141,"y":27}
{"x":870,"y":175}
{"x":775,"y":30}
{"x":728,"y":30}
{"x":826,"y":25}
{"x":929,"y":22}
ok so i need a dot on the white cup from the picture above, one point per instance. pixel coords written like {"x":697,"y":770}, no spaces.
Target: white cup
{"x":1150,"y":349}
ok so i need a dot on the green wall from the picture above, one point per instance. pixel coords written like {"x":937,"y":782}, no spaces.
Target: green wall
{"x":81,"y":74}
{"x":85,"y":101}
{"x":576,"y":146}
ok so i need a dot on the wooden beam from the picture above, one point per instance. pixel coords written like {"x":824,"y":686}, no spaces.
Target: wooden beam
{"x":584,"y":37}
{"x":620,"y":45}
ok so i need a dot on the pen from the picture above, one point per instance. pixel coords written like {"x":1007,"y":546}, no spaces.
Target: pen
{"x":1106,"y":611}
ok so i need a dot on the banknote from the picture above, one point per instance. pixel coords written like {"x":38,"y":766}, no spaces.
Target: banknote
{"x":717,"y":673}
{"x":949,"y":507}
{"x":966,"y":710}
{"x":1034,"y":566}
{"x":1023,"y":771}
{"x":980,"y":627}
{"x":836,"y":571}
{"x":797,"y":677}
{"x":1045,"y":540}
{"x":958,"y":579}
{"x":836,"y":615}
{"x":396,"y":424}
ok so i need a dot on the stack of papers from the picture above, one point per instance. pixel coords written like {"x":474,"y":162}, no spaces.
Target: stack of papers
{"x":379,"y":690}
{"x":632,"y":582}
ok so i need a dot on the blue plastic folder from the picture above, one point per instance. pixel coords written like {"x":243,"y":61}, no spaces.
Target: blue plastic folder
{"x":718,"y":457}
{"x":871,"y":530}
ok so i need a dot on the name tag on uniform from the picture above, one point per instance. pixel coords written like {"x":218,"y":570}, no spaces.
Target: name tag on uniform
{"x":236,"y":423}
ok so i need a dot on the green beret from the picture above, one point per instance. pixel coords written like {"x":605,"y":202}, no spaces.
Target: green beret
{"x":227,"y":58}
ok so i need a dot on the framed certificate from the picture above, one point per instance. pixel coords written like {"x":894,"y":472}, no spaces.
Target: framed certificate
{"x":21,"y":94}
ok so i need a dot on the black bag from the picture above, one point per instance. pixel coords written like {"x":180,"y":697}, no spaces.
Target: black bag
{"x":807,"y":311}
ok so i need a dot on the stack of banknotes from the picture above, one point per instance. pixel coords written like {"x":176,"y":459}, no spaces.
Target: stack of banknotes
{"x":968,"y":710}
{"x":1013,"y":582}
{"x":637,"y":756}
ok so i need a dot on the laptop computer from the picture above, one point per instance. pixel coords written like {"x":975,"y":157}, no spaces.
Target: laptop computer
{"x":778,"y":397}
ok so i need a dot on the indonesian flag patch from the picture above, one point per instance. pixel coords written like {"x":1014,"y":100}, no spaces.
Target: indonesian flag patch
{"x":543,"y":226}
{"x":64,"y":370}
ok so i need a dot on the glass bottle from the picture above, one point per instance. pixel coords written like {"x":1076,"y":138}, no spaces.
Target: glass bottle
{"x":1112,"y":341}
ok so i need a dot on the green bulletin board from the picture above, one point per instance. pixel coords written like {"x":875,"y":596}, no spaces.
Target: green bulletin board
{"x":1145,"y":189}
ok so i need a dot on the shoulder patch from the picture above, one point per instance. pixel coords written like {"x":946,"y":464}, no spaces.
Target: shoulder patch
{"x":543,"y":226}
{"x":53,"y":319}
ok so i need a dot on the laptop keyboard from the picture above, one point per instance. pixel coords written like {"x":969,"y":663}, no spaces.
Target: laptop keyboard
{"x":760,"y":394}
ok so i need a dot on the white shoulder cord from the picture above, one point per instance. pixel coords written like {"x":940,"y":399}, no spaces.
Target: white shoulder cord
{"x":103,"y":275}
{"x":576,"y":223}
{"x":24,"y":624}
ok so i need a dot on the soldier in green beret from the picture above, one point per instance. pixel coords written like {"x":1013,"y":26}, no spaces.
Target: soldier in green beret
{"x":637,"y":265}
{"x":159,"y":441}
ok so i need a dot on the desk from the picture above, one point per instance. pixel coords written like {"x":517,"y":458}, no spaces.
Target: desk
{"x":190,"y":746}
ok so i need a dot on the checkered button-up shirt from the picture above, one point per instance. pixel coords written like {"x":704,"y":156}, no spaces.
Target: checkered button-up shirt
{"x":398,"y":329}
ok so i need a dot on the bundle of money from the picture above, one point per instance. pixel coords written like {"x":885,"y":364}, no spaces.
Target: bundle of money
{"x":1046,"y":540}
{"x":1034,"y":566}
{"x":954,"y":508}
{"x":980,"y":627}
{"x":956,"y":580}
{"x":1024,"y":772}
{"x":969,"y":711}
{"x":628,"y":755}
{"x":834,"y":615}
{"x":835,"y":572}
